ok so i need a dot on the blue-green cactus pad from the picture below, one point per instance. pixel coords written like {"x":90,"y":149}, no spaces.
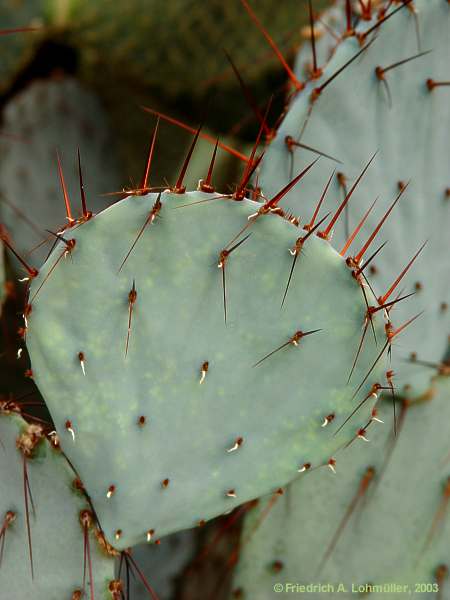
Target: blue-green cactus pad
{"x":352,"y":119}
{"x":177,"y":323}
{"x":57,"y":537}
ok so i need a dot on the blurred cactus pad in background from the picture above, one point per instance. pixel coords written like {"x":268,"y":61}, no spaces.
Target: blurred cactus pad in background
{"x":224,"y":299}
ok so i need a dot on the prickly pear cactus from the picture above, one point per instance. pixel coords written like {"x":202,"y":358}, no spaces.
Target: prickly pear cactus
{"x":48,"y":117}
{"x":169,"y":366}
{"x":198,"y":350}
{"x":46,"y":526}
{"x":380,"y":91}
{"x":382,"y":521}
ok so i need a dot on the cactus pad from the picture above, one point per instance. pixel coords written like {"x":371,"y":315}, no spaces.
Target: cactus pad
{"x":187,"y":413}
{"x":396,"y":112}
{"x":56,"y":533}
